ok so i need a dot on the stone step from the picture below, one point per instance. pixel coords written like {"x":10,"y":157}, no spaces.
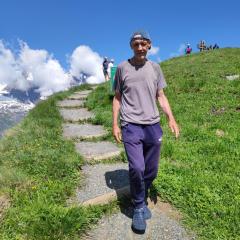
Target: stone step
{"x":96,"y":151}
{"x":75,"y":115}
{"x":102,"y":183}
{"x":84,"y":92}
{"x":82,"y":95}
{"x":77,"y":96}
{"x":94,"y":87}
{"x":164,"y":225}
{"x":123,"y":192}
{"x":70,"y":103}
{"x":83,"y":131}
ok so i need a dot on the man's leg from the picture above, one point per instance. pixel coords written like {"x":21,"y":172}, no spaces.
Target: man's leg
{"x":132,"y":137}
{"x":151,"y":151}
{"x":105,"y":75}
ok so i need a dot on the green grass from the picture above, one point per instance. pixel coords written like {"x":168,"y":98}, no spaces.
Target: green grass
{"x":39,"y":172}
{"x":200,"y":172}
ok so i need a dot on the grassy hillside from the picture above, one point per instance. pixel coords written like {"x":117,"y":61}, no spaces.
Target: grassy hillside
{"x":200,"y":172}
{"x":39,"y":170}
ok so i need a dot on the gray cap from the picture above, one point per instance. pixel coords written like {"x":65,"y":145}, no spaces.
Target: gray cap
{"x":140,"y":34}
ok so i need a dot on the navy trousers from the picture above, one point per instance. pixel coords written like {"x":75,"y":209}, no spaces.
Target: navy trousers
{"x":142,"y":145}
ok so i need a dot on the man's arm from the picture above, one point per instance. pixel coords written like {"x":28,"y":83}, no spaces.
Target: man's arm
{"x":115,"y":111}
{"x":164,"y":104}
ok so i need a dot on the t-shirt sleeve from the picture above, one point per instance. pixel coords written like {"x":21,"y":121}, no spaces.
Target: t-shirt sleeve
{"x":161,"y":79}
{"x":117,"y":81}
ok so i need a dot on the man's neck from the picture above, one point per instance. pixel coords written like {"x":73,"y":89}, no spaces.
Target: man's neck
{"x":138,"y":62}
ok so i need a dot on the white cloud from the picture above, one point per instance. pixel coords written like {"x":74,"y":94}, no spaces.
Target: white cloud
{"x":41,"y":70}
{"x":84,"y":60}
{"x":9,"y":70}
{"x":180,"y":50}
{"x":153,"y":51}
{"x":37,"y":68}
{"x":31,"y":68}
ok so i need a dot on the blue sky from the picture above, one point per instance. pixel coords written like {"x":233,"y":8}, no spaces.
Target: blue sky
{"x":59,"y":26}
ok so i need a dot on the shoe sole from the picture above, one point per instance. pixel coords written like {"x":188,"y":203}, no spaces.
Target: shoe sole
{"x":140,"y":232}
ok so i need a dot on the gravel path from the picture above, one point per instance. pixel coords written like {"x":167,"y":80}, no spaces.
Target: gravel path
{"x":118,"y":227}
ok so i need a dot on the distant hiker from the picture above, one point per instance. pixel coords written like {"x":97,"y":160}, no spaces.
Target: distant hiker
{"x":110,"y":65}
{"x":188,"y":49}
{"x":215,"y":46}
{"x":202,"y":46}
{"x":105,"y":68}
{"x":210,"y":47}
{"x":138,"y":85}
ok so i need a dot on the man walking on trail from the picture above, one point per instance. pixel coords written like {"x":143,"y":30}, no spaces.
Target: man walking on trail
{"x":139,"y":83}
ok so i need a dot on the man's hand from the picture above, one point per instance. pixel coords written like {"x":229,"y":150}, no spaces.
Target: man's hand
{"x":117,"y":133}
{"x":163,"y":101}
{"x":174,"y":127}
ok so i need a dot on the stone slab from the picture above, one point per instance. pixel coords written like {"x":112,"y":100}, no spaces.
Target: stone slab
{"x":106,"y":198}
{"x":81,"y":95}
{"x":232,"y":77}
{"x":75,"y":115}
{"x":160,"y":227}
{"x":70,"y":103}
{"x":77,"y":96}
{"x":83,"y":131}
{"x":94,"y":151}
{"x":94,"y":87}
{"x":102,"y":180}
{"x":85,"y":92}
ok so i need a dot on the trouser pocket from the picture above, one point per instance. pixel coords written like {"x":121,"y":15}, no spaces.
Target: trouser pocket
{"x":153,"y":134}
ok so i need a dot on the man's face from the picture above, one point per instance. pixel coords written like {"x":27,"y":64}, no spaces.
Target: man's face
{"x":140,"y":48}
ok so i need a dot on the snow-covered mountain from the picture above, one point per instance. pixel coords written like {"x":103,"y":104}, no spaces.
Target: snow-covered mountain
{"x":14,"y":105}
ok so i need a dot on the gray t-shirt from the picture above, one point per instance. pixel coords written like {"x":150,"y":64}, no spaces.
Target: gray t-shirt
{"x":138,"y":86}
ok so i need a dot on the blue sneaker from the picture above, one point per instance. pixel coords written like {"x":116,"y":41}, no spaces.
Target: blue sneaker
{"x":139,"y":221}
{"x":147,"y":213}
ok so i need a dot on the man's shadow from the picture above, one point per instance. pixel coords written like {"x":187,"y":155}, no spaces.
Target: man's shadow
{"x":119,"y":181}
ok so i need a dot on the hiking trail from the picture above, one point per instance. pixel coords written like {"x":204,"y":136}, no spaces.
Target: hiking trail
{"x":106,"y":180}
